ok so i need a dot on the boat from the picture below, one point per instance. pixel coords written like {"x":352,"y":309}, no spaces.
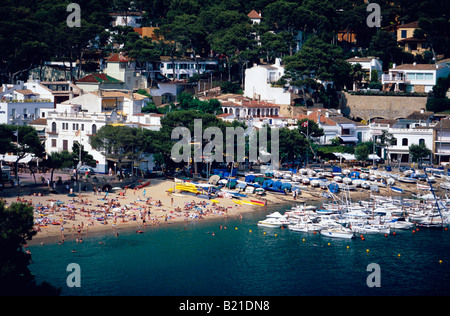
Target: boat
{"x":258,"y":202}
{"x":445,"y":185}
{"x":407,"y":179}
{"x":396,"y":190}
{"x":371,"y":229}
{"x":400,"y":223}
{"x":337,"y":233}
{"x":274,"y":220}
{"x":260,"y":191}
{"x":423,"y":187}
{"x":305,"y":227}
{"x":270,"y":222}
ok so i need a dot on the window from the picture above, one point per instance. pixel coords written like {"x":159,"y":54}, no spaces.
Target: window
{"x":65,"y":126}
{"x":65,"y":144}
{"x":422,"y":142}
{"x":413,"y":46}
{"x":405,"y":142}
{"x":419,"y":76}
{"x":410,"y":76}
{"x":404,"y":33}
{"x":94,"y":129}
{"x":428,"y":76}
{"x":53,"y":127}
{"x":53,"y":142}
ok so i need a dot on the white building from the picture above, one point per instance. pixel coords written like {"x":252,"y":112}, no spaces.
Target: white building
{"x":120,"y":73}
{"x":186,"y":67}
{"x":76,"y":119}
{"x":368,"y":64}
{"x":442,"y":141}
{"x":133,"y":19}
{"x":415,"y":77}
{"x":124,"y":69}
{"x":260,"y":84}
{"x":21,"y":103}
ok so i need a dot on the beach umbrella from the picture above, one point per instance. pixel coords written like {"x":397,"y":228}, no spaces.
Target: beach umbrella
{"x":214,"y":179}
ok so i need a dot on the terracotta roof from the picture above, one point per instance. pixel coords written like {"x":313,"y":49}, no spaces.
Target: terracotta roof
{"x":98,"y":78}
{"x":416,"y":67}
{"x":39,"y":121}
{"x":445,"y":124}
{"x":411,"y":25}
{"x":26,"y":92}
{"x":361,"y":59}
{"x":116,"y":57}
{"x":254,"y":15}
{"x":419,"y":116}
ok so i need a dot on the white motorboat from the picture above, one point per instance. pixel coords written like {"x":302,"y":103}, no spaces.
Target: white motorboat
{"x":371,"y":229}
{"x":274,"y":221}
{"x":407,"y":180}
{"x":399,"y":224}
{"x":337,"y":233}
{"x":270,"y":222}
{"x":445,"y":185}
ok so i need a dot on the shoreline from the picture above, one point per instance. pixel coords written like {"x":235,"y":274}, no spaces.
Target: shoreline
{"x":154,"y":204}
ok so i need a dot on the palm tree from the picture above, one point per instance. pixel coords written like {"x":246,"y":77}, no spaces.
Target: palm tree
{"x":357,"y":74}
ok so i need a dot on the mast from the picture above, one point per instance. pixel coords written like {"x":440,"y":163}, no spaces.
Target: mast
{"x":435,"y":199}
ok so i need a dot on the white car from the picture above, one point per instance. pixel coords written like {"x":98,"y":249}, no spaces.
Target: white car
{"x":85,"y":169}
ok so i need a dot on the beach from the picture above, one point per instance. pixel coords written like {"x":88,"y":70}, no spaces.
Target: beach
{"x":62,"y":216}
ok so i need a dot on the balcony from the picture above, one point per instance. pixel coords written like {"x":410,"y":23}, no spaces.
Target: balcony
{"x":393,"y":78}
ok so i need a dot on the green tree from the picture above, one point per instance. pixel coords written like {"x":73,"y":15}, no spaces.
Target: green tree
{"x":58,"y":160}
{"x":311,"y":129}
{"x":419,"y":152}
{"x":16,"y":228}
{"x":121,"y":144}
{"x":363,"y":150}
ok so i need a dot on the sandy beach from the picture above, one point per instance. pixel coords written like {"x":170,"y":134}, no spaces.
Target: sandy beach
{"x":60,"y":217}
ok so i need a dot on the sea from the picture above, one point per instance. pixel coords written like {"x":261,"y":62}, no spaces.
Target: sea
{"x":235,"y":257}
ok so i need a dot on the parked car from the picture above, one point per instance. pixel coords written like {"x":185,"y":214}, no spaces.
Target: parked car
{"x":85,"y":169}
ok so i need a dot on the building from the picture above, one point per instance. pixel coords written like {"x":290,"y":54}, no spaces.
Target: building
{"x":255,"y":17}
{"x":133,"y":19}
{"x":61,"y":90}
{"x":441,"y":147}
{"x":414,"y":77}
{"x":368,"y":64}
{"x":96,"y":82}
{"x":260,"y":84}
{"x":22,"y":103}
{"x":184,"y":68}
{"x":417,"y":128}
{"x":124,"y":70}
{"x":75,"y":120}
{"x":336,"y":126}
{"x":243,"y":108}
{"x":406,"y":39}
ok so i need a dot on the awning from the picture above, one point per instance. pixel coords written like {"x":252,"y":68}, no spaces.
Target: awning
{"x":348,"y":139}
{"x":345,"y":156}
{"x":348,"y":126}
{"x":371,"y":157}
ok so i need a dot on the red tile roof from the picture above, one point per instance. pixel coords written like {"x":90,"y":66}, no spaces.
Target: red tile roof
{"x":254,"y":15}
{"x":117,"y":58}
{"x":97,"y":78}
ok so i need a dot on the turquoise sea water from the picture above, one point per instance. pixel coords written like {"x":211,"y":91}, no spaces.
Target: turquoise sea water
{"x":189,"y":260}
